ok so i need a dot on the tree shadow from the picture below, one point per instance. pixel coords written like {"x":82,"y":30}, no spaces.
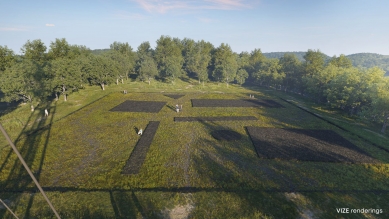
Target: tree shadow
{"x":31,"y":149}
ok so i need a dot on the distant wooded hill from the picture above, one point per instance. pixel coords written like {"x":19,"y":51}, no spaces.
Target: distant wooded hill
{"x":364,"y":60}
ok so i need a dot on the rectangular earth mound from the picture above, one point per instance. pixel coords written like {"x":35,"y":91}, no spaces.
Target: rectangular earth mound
{"x":138,"y":155}
{"x":235,"y":103}
{"x":139,"y":106}
{"x":219,"y":118}
{"x":306,"y":145}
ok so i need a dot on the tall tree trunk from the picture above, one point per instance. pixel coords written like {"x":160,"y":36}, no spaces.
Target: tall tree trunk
{"x":149,"y":81}
{"x":122,"y":81}
{"x":117,"y":81}
{"x":385,"y":123}
{"x":65,"y":97}
{"x":102,"y":86}
{"x":56,"y":96}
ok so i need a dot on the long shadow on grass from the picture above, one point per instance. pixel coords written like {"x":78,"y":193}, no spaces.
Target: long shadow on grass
{"x":125,"y":205}
{"x":30,"y":151}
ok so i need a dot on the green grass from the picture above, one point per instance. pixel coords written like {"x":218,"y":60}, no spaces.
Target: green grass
{"x":81,"y":155}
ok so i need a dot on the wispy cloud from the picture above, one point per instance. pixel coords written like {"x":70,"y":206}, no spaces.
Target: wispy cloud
{"x":12,"y":29}
{"x":50,"y":25}
{"x":163,"y":6}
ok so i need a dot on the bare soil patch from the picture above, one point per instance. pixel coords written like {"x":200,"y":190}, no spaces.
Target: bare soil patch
{"x":217,"y":118}
{"x":139,"y":106}
{"x":226,"y":135}
{"x":139,"y":153}
{"x":306,"y":145}
{"x":235,"y":103}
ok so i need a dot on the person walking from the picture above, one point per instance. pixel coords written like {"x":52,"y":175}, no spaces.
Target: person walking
{"x":46,"y":113}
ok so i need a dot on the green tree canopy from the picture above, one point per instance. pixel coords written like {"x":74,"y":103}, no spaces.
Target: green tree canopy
{"x":60,"y":48}
{"x":34,"y":50}
{"x":23,"y":81}
{"x":102,"y":71}
{"x":168,"y":55}
{"x":225,"y":64}
{"x":291,"y":66}
{"x":7,"y":58}
{"x":342,"y":62}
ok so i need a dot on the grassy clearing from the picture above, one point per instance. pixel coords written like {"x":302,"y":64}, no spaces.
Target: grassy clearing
{"x":79,"y":158}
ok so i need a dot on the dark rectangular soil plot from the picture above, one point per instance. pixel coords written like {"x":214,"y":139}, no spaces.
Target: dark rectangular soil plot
{"x":235,"y":103}
{"x":139,"y":106}
{"x":219,"y":118}
{"x":306,"y":145}
{"x":138,"y":155}
{"x":174,"y":96}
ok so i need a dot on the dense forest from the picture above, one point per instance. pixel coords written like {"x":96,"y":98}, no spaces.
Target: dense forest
{"x":61,"y":69}
{"x":361,"y":60}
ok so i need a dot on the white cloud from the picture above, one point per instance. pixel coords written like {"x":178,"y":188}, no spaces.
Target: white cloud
{"x":163,"y":6}
{"x":50,"y":25}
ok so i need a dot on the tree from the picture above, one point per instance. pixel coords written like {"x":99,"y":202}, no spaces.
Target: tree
{"x":34,"y":50}
{"x":64,"y":76}
{"x":125,"y":57}
{"x":146,"y":67}
{"x":169,"y":58}
{"x":269,"y":73}
{"x":22,"y":81}
{"x":102,"y":71}
{"x":255,"y":60}
{"x":341,"y":62}
{"x":7,"y":58}
{"x":292,"y":68}
{"x":225,"y":65}
{"x":241,"y":76}
{"x":197,"y":56}
{"x":60,"y":48}
{"x":346,"y":90}
{"x":314,"y":62}
{"x":379,"y":108}
{"x":190,"y":54}
{"x":313,"y":74}
{"x":78,"y":50}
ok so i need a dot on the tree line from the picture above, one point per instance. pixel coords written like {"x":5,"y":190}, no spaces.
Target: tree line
{"x":41,"y":72}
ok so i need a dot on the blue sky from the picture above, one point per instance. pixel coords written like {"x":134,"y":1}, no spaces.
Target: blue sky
{"x":333,"y":26}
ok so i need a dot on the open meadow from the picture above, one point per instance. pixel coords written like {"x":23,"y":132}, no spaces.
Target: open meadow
{"x":224,"y":155}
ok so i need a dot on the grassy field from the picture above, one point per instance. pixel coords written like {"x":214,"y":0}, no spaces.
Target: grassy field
{"x":79,"y":151}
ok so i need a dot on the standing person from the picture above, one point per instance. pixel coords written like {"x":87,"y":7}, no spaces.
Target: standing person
{"x":46,"y":113}
{"x":140,"y":132}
